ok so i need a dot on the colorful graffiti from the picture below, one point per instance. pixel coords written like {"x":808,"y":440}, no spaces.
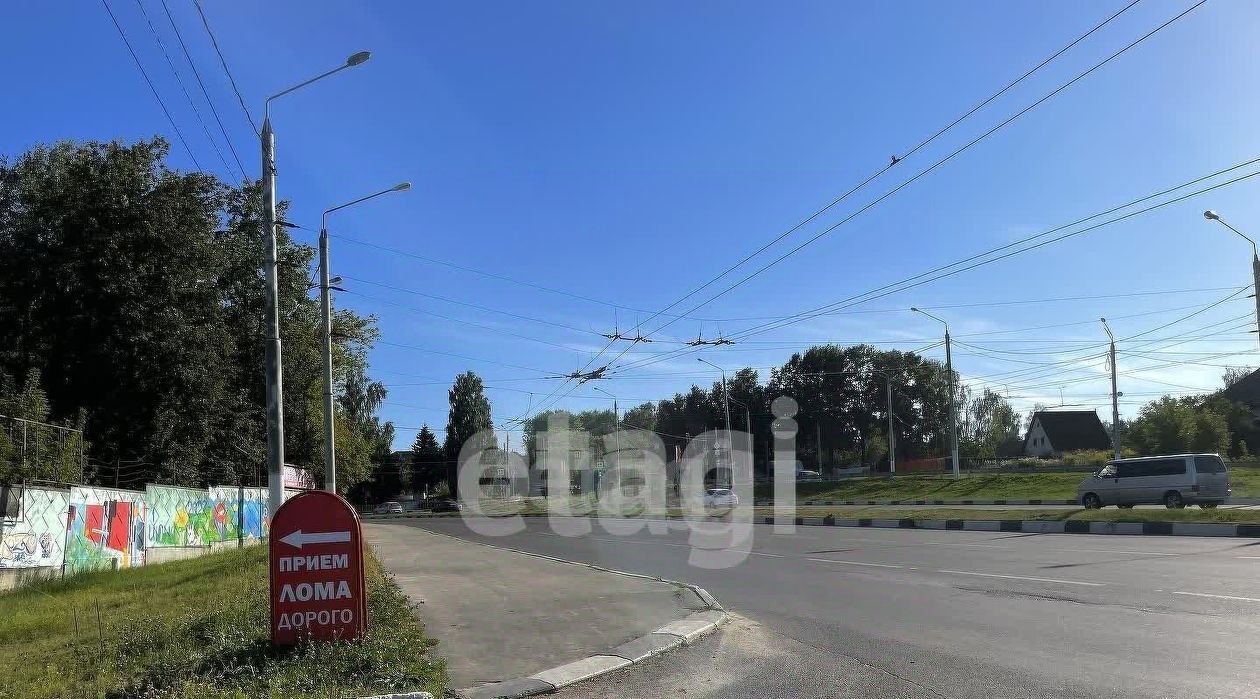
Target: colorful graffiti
{"x":183,"y":517}
{"x":36,"y":537}
{"x":106,"y":529}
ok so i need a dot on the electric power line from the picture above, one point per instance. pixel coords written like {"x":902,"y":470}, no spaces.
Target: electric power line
{"x":205,"y":93}
{"x":223,"y":61}
{"x":123,"y":35}
{"x":182,"y":88}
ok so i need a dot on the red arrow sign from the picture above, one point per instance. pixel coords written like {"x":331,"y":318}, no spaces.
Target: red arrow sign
{"x":316,"y":552}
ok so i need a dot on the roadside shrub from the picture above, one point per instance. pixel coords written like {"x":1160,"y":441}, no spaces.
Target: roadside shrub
{"x":1087,"y":457}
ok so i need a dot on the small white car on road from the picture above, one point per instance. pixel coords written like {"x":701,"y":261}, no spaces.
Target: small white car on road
{"x":389,"y":508}
{"x":720,"y":497}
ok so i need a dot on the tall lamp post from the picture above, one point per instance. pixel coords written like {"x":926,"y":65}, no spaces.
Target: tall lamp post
{"x":1115,"y":392}
{"x":726,"y":404}
{"x":726,"y":408}
{"x":325,"y":293}
{"x":275,"y":379}
{"x":953,"y":408}
{"x":1255,"y":258}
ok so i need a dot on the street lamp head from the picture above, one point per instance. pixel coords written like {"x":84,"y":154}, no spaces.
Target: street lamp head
{"x":402,"y":186}
{"x":358,"y":58}
{"x":1211,"y":215}
{"x":335,"y":280}
{"x":915,"y":309}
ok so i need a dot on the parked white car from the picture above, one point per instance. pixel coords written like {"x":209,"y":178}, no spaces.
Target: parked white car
{"x":808,"y":476}
{"x":720,"y":497}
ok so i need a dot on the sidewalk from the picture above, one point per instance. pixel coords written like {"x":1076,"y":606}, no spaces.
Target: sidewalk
{"x":499,"y":614}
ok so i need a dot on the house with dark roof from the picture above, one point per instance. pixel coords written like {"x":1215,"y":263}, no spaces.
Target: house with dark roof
{"x":1054,"y":432}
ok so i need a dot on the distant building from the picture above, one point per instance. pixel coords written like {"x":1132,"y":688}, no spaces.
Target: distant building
{"x":1053,"y":432}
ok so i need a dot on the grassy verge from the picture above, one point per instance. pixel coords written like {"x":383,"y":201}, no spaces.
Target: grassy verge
{"x":995,"y":486}
{"x":1108,"y":514}
{"x":198,"y":629}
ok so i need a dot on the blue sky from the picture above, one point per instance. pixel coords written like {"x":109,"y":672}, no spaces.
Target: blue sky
{"x":627,"y":153}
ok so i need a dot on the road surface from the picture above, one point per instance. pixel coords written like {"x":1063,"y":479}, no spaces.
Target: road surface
{"x":891,"y":612}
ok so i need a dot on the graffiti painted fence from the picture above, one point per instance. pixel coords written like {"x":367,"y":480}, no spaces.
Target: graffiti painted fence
{"x":79,"y":528}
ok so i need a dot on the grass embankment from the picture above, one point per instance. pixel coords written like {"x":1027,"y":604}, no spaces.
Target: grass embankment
{"x":198,"y":629}
{"x":996,"y":486}
{"x":1109,"y":514}
{"x":538,"y":506}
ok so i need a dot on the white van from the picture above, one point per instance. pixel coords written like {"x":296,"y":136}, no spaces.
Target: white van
{"x":1175,"y":481}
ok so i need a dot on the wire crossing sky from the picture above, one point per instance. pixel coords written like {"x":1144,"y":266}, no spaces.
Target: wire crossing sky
{"x":587,"y":171}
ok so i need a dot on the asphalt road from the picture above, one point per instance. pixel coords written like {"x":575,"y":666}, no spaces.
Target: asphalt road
{"x":960,"y":614}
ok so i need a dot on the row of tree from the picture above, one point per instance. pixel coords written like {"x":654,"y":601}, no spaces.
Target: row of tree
{"x":133,"y":308}
{"x":841,"y":394}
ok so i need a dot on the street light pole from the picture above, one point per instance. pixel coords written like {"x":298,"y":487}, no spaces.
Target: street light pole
{"x":726,"y":405}
{"x":325,"y":294}
{"x":1115,"y":394}
{"x":953,"y":408}
{"x":1255,"y":260}
{"x":273,"y":362}
{"x":892,"y":434}
{"x":616,"y":418}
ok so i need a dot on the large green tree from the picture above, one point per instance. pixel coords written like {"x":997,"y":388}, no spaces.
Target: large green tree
{"x":428,"y":464}
{"x":1179,"y":425}
{"x":134,"y":292}
{"x":469,"y":414}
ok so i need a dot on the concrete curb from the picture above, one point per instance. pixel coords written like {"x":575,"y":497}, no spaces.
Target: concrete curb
{"x":980,"y":525}
{"x":824,"y":503}
{"x":676,"y":633}
{"x":1039,"y":526}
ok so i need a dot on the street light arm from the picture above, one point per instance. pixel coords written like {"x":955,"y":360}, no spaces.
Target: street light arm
{"x":705,"y":361}
{"x":1108,"y":329}
{"x":1242,"y":235}
{"x":939,"y":320}
{"x":352,"y":61}
{"x":401,"y":187}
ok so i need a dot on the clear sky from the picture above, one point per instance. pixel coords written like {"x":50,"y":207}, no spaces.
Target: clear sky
{"x":627,"y":153}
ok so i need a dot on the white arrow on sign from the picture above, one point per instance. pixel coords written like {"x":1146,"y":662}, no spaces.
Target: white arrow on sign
{"x":297,"y":539}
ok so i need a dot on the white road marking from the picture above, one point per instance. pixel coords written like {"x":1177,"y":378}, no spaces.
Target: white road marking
{"x":854,"y":563}
{"x":770,"y":555}
{"x":1251,"y":558}
{"x":1134,"y":553}
{"x":1204,"y":594}
{"x":1022,"y":577}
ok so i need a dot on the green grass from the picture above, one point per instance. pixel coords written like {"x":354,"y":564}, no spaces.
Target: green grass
{"x":1107,"y":514}
{"x":997,"y":486}
{"x":198,"y":629}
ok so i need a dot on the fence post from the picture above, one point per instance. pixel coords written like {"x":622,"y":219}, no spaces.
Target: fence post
{"x":240,"y":514}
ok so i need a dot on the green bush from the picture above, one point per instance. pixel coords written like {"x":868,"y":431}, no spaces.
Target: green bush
{"x":1087,"y":457}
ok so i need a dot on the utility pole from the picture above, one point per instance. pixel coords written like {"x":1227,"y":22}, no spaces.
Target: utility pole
{"x":1255,"y":261}
{"x":275,"y":380}
{"x":892,"y":434}
{"x":726,"y":406}
{"x":818,"y":442}
{"x":272,"y":361}
{"x":953,"y":407}
{"x":325,"y":293}
{"x":1115,"y":394}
